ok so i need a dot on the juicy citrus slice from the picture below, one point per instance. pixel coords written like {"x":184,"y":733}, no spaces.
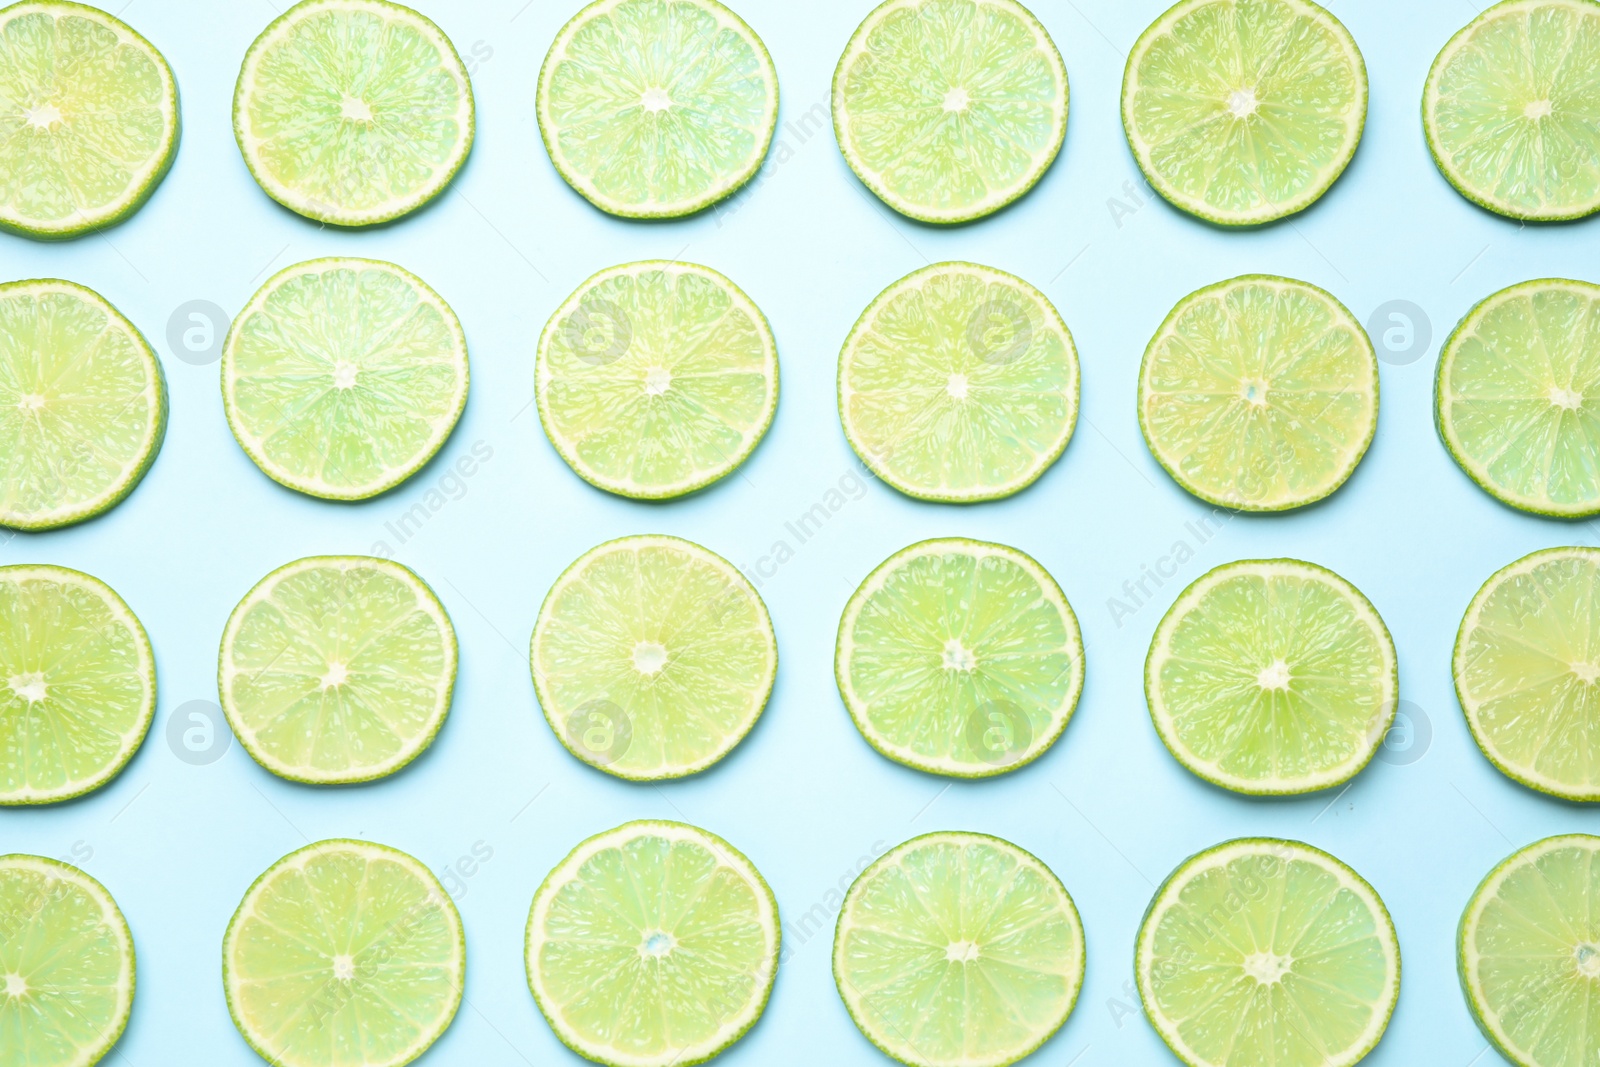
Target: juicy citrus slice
{"x":1244,"y":111}
{"x":79,"y":684}
{"x":1263,"y":951}
{"x":652,"y":945}
{"x":959,"y":657}
{"x":1517,"y":399}
{"x":958,"y":950}
{"x":1526,"y":661}
{"x":89,"y":117}
{"x":1509,"y":109}
{"x":344,"y":954}
{"x":342,"y":377}
{"x":83,"y":404}
{"x":950,"y":109}
{"x":1529,"y":953}
{"x":655,"y":379}
{"x":353,"y":112}
{"x":337,"y":669}
{"x":657,"y":108}
{"x":1272,"y":676}
{"x":1259,"y":393}
{"x":652,"y":657}
{"x":959,"y":383}
{"x":66,"y":965}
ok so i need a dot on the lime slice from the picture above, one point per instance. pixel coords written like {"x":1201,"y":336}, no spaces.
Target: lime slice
{"x":959,"y":383}
{"x":652,"y":945}
{"x":959,"y":657}
{"x":1262,"y":951}
{"x":1509,"y":109}
{"x":344,"y":954}
{"x":1526,"y":662}
{"x":652,"y":657}
{"x":66,"y":965}
{"x":83,"y":404}
{"x":353,"y":112}
{"x":342,"y":377}
{"x":1244,"y":111}
{"x":950,"y":109}
{"x":337,"y":669}
{"x":1272,"y":676}
{"x":80,"y":684}
{"x":88,"y":119}
{"x":958,"y":950}
{"x":1529,"y":953}
{"x":655,"y":379}
{"x":1517,"y":399}
{"x":1259,"y":393}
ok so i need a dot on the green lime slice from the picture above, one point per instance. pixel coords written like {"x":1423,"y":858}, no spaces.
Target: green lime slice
{"x":342,"y":377}
{"x":1264,"y":951}
{"x":66,"y":965}
{"x":79,"y":684}
{"x":353,"y":112}
{"x":1517,"y":400}
{"x":958,"y":950}
{"x":655,"y":379}
{"x":1244,"y":111}
{"x":1526,"y":662}
{"x":652,"y":945}
{"x":652,"y":657}
{"x":1272,"y":676}
{"x":344,"y":954}
{"x":337,"y":669}
{"x":654,"y":109}
{"x":1528,"y":953}
{"x":1509,"y":109}
{"x":83,"y":404}
{"x":1259,"y":393}
{"x":89,"y":111}
{"x":959,"y":383}
{"x":959,"y":657}
{"x":949,"y":110}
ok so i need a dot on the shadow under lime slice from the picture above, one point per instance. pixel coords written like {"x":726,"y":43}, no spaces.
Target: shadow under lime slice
{"x":83,"y":405}
{"x":1517,"y":399}
{"x":342,"y":377}
{"x":353,"y":112}
{"x":1259,"y":393}
{"x":90,"y":114}
{"x":344,"y":953}
{"x":657,"y":108}
{"x":652,"y":945}
{"x":66,"y":965}
{"x":949,"y":110}
{"x":959,"y":657}
{"x":337,"y":669}
{"x":1509,"y":109}
{"x":958,"y":950}
{"x":1266,"y":951}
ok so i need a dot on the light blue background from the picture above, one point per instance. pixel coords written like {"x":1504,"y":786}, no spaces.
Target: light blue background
{"x":803,"y":796}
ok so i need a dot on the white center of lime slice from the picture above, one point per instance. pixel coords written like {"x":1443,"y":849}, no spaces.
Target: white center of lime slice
{"x":1242,"y":103}
{"x":1274,"y":676}
{"x":957,"y":657}
{"x":344,"y":968}
{"x":658,"y":944}
{"x":655,"y":99}
{"x":31,"y":401}
{"x":957,"y":100}
{"x":1570,"y":399}
{"x":44,"y":116}
{"x":961,"y":951}
{"x":1586,"y":672}
{"x":1588,"y":957}
{"x":1267,"y":967}
{"x":16,"y":985}
{"x":30,"y":687}
{"x":649,"y":657}
{"x":956,"y":386}
{"x":1538,"y":109}
{"x":657,"y":380}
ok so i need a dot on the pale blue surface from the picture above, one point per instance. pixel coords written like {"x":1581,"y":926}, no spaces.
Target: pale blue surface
{"x":804,"y":796}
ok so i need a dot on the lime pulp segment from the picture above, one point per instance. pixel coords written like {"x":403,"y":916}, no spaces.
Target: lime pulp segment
{"x":657,"y":108}
{"x":1259,"y":393}
{"x":342,"y":377}
{"x":353,"y":112}
{"x":949,"y":110}
{"x":652,"y":657}
{"x":959,"y":383}
{"x":337,"y":669}
{"x":652,"y":945}
{"x":958,"y":950}
{"x":657,"y":378}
